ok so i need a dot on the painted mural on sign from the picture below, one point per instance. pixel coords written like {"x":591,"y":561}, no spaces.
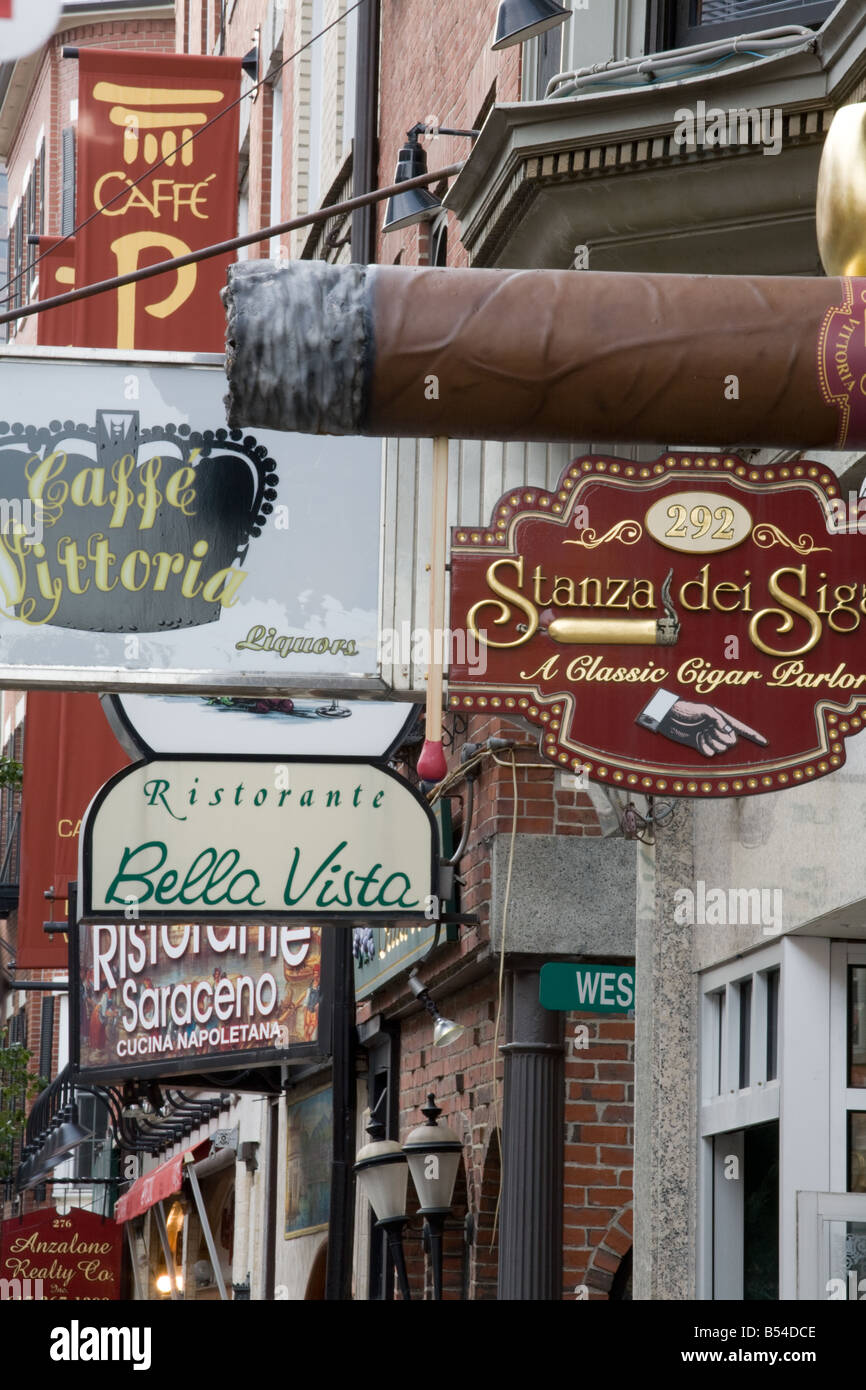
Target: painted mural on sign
{"x":187,"y":996}
{"x":309,"y":1122}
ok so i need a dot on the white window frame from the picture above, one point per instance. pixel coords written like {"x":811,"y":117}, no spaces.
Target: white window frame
{"x":732,"y":1108}
{"x":843,"y":1098}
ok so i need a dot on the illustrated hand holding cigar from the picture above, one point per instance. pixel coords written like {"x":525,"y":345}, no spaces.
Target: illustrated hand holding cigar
{"x":702,"y":726}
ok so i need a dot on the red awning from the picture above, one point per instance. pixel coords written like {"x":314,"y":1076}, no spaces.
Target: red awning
{"x":154,"y":1187}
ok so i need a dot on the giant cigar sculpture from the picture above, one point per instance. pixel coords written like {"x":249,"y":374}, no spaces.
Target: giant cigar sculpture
{"x":547,"y":355}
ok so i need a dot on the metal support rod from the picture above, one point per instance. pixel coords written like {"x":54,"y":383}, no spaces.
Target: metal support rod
{"x":61,"y":986}
{"x":166,"y":1250}
{"x":224,"y":248}
{"x":208,"y":1233}
{"x":341,"y":1220}
{"x":140,"y":1293}
{"x":366,"y":119}
{"x":435,"y":1225}
{"x":394,"y":1233}
{"x":438,"y":561}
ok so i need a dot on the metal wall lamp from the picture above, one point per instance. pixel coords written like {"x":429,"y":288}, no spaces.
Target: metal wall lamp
{"x":418,"y":204}
{"x":445,"y":1030}
{"x":519,"y":20}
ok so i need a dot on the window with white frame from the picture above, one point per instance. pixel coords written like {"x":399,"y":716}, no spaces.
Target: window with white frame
{"x":739,"y":1127}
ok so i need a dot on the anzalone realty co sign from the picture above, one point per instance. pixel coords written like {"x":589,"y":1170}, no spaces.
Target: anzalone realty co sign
{"x":692,"y":626}
{"x":195,"y":840}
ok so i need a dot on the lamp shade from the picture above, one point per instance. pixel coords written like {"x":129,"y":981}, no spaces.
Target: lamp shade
{"x":69,"y":1136}
{"x":37,"y":1172}
{"x":519,"y":20}
{"x":446,"y":1031}
{"x":417,"y":204}
{"x":433,"y":1152}
{"x":383,"y":1178}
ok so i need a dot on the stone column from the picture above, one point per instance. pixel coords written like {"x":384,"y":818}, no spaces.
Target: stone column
{"x":666,"y":1061}
{"x":530,"y":1248}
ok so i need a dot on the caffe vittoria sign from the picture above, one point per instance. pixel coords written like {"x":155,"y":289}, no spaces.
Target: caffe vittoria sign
{"x":196,"y":840}
{"x":691,"y":626}
{"x":145,"y":546}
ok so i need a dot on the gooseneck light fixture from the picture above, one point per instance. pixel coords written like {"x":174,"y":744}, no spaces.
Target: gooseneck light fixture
{"x":519,"y":20}
{"x":418,"y":204}
{"x":433,"y":1153}
{"x":445,"y":1030}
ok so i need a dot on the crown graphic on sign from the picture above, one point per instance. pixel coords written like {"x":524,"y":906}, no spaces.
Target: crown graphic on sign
{"x":128,"y":529}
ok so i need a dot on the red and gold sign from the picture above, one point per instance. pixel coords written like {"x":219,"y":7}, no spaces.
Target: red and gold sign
{"x":153,"y":115}
{"x":46,"y":1255}
{"x":691,"y":627}
{"x":56,"y":327}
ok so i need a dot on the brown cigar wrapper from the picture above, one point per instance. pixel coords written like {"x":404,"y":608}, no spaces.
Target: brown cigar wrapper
{"x":558,"y":355}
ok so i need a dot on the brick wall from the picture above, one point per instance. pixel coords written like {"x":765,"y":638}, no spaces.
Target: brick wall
{"x":599,"y":1139}
{"x":466,"y":1079}
{"x":436,"y":62}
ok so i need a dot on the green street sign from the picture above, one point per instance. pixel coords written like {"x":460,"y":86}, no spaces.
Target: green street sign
{"x":588,"y":989}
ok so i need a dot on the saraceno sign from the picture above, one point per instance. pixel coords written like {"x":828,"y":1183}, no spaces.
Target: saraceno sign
{"x":179,"y":998}
{"x":145,"y":546}
{"x":202,"y":839}
{"x":692,"y":626}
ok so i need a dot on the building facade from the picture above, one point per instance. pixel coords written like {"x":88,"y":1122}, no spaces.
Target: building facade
{"x":710,"y":1143}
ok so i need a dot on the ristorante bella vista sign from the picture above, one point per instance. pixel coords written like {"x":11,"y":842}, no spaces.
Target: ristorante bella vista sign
{"x":692,"y":626}
{"x":196,"y":840}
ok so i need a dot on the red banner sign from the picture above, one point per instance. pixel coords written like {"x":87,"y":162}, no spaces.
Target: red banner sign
{"x":151,"y":114}
{"x":75,"y":1257}
{"x":56,"y":327}
{"x":690,"y":627}
{"x":69,"y":752}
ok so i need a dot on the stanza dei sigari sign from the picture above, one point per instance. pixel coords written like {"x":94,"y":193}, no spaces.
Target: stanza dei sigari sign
{"x":195,"y":840}
{"x":689,"y":626}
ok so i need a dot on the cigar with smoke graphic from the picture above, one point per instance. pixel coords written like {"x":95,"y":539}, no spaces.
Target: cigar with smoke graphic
{"x":547,"y":355}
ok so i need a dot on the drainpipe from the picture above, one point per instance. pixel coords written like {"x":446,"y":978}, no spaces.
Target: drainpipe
{"x":365,"y":160}
{"x":530,"y":1242}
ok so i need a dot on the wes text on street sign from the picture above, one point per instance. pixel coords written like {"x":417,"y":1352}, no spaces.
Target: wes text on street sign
{"x":144,"y":546}
{"x":691,"y":626}
{"x":198,"y":840}
{"x":590,"y":989}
